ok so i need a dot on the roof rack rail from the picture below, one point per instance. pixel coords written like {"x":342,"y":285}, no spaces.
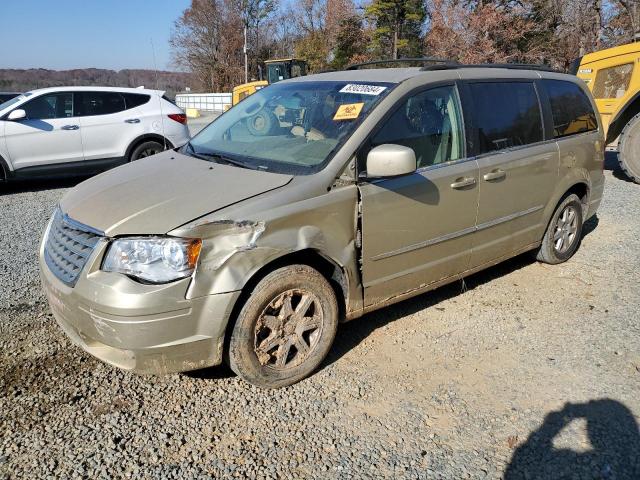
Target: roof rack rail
{"x":435,"y":60}
{"x":511,"y":66}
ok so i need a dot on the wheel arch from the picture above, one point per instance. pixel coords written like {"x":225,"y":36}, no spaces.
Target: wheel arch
{"x":328,"y":268}
{"x":622,"y":116}
{"x":5,"y":171}
{"x":331,"y":270}
{"x":579,"y":186}
{"x":145,"y":138}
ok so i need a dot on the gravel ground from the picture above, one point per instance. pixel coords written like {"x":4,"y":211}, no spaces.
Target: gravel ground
{"x":522,"y":371}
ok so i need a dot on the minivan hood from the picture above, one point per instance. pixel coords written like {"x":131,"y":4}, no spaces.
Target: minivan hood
{"x":157,"y":194}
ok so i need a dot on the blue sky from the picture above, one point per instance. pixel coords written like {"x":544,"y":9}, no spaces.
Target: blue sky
{"x":63,"y":34}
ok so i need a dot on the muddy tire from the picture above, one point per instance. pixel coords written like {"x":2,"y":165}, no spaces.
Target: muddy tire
{"x":285,"y":328}
{"x":629,"y":149}
{"x":146,"y":149}
{"x":563,"y":235}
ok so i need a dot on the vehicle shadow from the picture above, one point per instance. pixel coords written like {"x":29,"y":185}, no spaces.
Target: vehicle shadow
{"x":217,"y":372}
{"x":590,"y":225}
{"x":612,"y":164}
{"x":614,"y":453}
{"x":39,"y":184}
{"x":353,"y":333}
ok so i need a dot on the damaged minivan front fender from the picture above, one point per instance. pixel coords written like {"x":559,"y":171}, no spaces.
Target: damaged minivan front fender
{"x":236,"y":249}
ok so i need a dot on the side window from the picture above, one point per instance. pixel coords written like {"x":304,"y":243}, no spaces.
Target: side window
{"x":133,"y":100}
{"x":506,"y":114}
{"x":428,"y":122}
{"x":612,"y":82}
{"x":47,"y":107}
{"x":100,"y":103}
{"x":570,"y":108}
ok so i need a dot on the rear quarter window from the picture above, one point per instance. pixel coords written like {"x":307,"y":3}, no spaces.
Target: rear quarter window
{"x":571,"y":108}
{"x":506,"y":115}
{"x":133,"y":100}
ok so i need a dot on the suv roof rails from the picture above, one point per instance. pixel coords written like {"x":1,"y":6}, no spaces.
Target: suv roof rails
{"x":510,"y":66}
{"x":435,"y":60}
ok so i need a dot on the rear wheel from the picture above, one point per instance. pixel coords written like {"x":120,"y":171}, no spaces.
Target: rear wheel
{"x":563,"y":235}
{"x":146,"y":149}
{"x":285,"y":328}
{"x":629,"y":149}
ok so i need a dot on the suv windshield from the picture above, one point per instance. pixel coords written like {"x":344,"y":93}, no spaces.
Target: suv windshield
{"x":14,"y":100}
{"x":289,"y":127}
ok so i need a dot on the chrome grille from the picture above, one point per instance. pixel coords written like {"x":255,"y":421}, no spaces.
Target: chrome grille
{"x":68,"y":246}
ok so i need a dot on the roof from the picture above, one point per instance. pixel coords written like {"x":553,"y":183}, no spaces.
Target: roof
{"x":388,"y":75}
{"x":98,"y":89}
{"x":399,"y":75}
{"x":611,"y":52}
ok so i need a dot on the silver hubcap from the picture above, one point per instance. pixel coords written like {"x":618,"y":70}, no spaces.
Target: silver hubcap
{"x":288,"y":330}
{"x":566,"y":229}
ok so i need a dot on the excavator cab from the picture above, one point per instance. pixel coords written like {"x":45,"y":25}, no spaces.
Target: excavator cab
{"x":283,"y":69}
{"x":276,"y":70}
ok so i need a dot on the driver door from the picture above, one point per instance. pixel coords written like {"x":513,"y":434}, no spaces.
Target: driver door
{"x":49,"y":134}
{"x":417,"y":229}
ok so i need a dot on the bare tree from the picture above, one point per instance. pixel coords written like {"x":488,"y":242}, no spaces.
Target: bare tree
{"x":632,"y":9}
{"x":207,"y":40}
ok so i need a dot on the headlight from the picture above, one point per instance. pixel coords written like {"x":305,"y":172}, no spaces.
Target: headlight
{"x":153,"y":259}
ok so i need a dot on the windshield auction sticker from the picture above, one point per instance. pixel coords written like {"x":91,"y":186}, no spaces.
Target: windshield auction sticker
{"x":348,"y":111}
{"x":363,"y":89}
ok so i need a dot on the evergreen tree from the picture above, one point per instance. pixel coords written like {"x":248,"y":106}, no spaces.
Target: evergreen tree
{"x":398,"y":27}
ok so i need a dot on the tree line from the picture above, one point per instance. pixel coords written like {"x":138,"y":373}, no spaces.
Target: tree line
{"x":209,"y":37}
{"x":22,"y":80}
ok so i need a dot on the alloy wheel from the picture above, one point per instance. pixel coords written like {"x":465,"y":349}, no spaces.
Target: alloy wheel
{"x":288,"y":329}
{"x":566,"y":229}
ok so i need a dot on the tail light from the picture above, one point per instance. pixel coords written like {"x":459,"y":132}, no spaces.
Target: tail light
{"x":178,"y":117}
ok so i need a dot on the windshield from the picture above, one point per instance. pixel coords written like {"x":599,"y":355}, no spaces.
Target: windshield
{"x":289,"y":127}
{"x":13,"y":101}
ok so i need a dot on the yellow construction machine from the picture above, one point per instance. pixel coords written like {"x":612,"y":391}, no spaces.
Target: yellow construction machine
{"x":277,"y":69}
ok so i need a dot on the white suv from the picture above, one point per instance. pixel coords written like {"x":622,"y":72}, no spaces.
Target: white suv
{"x":81,"y":130}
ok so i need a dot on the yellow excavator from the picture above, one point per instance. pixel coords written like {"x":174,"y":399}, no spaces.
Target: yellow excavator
{"x":613,"y":76}
{"x":277,"y":69}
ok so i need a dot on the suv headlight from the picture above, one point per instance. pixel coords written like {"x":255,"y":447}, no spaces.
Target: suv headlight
{"x":153,"y":259}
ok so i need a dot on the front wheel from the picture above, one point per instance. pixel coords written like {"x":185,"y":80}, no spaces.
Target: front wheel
{"x":285,"y":328}
{"x":563,"y":235}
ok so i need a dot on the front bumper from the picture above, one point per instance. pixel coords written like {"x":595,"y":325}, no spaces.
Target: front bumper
{"x":149,"y":329}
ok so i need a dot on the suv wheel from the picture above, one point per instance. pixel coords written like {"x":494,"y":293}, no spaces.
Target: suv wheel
{"x":146,"y":149}
{"x":563,"y":235}
{"x":629,"y":149}
{"x":285,"y":328}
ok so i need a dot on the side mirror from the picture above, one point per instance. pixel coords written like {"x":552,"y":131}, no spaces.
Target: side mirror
{"x":17,"y":114}
{"x":390,"y":160}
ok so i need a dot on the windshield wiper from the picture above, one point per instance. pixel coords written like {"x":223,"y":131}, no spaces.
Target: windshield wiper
{"x":218,"y":158}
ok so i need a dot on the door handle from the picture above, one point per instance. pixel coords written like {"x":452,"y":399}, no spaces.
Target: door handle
{"x":463,"y":182}
{"x":132,"y":120}
{"x":70,"y":127}
{"x":495,"y":175}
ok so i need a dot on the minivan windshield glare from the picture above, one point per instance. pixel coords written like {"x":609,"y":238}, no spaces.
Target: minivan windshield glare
{"x":288,"y":127}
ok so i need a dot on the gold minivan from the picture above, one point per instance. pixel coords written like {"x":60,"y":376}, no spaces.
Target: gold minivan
{"x":315,"y":201}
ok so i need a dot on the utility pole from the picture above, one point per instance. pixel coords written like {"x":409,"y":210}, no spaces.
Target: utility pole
{"x":246,"y":62}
